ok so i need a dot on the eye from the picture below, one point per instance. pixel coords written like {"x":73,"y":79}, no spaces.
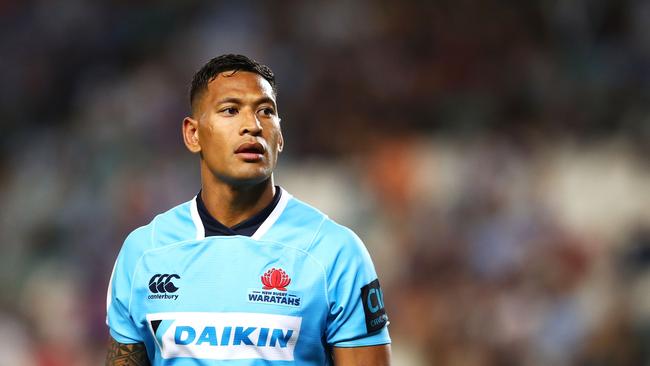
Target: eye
{"x":230,"y":111}
{"x":267,"y":111}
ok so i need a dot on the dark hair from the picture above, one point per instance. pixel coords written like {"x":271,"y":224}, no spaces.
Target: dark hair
{"x":223,"y":63}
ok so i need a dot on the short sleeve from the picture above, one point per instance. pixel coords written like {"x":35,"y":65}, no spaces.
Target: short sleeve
{"x":356,"y":306}
{"x":119,"y":320}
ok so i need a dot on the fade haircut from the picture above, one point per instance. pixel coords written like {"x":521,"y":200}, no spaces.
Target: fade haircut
{"x":222,"y":63}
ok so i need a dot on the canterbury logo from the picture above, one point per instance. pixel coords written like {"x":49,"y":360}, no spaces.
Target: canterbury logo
{"x":161,"y":283}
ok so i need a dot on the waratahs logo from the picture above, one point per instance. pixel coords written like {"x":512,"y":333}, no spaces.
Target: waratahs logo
{"x":274,"y":279}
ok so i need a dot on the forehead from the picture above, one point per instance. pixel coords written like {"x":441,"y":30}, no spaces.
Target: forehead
{"x":238,"y":84}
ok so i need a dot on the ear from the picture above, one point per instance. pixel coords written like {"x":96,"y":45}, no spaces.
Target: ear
{"x":191,"y":135}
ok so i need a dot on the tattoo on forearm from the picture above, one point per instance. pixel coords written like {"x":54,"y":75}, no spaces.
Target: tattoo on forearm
{"x":126,"y":354}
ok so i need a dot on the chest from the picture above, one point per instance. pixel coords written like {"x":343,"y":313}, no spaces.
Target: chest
{"x":208,"y":298}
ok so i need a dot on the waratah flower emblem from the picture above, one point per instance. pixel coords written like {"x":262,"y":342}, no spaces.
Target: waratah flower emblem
{"x":276,"y":278}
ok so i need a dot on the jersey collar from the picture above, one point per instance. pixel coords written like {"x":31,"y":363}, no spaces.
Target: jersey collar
{"x":254,"y":227}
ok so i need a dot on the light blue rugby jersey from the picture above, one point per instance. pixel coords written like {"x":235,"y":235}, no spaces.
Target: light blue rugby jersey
{"x":299,"y":284}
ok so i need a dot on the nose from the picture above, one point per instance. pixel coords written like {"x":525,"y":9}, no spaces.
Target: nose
{"x":251,"y":125}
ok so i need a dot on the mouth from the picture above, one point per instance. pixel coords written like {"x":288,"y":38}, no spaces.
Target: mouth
{"x":250,"y":151}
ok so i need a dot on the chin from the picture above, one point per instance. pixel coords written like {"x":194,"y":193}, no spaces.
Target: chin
{"x":253,"y":176}
{"x":239,"y":174}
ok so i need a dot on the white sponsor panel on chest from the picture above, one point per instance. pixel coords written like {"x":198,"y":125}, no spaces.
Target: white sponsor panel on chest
{"x":225,"y":336}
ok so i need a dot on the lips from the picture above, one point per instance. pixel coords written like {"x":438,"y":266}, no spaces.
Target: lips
{"x":250,"y":148}
{"x":250,"y":151}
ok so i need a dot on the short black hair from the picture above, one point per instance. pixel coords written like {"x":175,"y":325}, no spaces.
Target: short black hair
{"x":229,"y":62}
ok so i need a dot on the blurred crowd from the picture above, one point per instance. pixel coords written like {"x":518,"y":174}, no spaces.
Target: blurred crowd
{"x":492,"y":155}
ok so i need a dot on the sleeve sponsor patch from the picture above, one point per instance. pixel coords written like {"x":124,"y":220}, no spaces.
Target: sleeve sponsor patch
{"x":373,"y":306}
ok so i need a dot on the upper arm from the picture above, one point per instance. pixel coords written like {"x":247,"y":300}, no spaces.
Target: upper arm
{"x":356,"y":315}
{"x":118,"y":317}
{"x":120,"y":354}
{"x":362,"y":356}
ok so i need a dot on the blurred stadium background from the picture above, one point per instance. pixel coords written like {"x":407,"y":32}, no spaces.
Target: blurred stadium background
{"x":492,"y":154}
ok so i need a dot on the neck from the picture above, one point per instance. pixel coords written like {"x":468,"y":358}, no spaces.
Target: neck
{"x":231,"y":204}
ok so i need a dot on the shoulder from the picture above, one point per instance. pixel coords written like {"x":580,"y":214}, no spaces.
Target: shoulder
{"x":329,"y":240}
{"x":293,"y":223}
{"x":301,"y":212}
{"x":307,"y":228}
{"x":332,"y":231}
{"x":172,"y":226}
{"x":338,"y":243}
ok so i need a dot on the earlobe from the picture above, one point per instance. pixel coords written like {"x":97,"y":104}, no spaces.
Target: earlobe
{"x":191,"y":135}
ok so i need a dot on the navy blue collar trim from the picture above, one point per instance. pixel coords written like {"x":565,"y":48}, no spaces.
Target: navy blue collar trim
{"x":247,"y":227}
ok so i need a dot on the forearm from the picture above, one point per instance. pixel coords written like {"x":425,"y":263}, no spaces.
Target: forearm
{"x":120,"y":354}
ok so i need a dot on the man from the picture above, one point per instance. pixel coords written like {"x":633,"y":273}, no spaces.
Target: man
{"x":243,"y":272}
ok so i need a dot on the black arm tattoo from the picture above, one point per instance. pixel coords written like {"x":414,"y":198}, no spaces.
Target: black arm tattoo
{"x":120,"y":354}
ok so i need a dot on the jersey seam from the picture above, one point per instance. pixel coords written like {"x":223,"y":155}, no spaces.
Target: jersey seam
{"x":230,"y":237}
{"x":181,"y":242}
{"x":311,"y":244}
{"x":313,"y":239}
{"x":137,"y":263}
{"x":325,"y":280}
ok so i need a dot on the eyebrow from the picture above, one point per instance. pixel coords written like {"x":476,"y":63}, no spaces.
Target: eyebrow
{"x":234,"y":100}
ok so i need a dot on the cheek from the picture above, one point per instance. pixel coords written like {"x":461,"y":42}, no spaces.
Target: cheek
{"x":276,"y":142}
{"x":212,"y":134}
{"x":276,"y":137}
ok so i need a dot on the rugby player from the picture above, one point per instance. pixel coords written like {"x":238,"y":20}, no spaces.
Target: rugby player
{"x":244,"y":273}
